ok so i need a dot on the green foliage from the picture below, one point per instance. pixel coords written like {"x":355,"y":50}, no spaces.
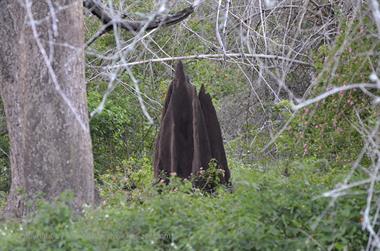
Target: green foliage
{"x":120,"y":133}
{"x":210,"y":179}
{"x":5,"y":171}
{"x":4,"y":164}
{"x":267,"y":210}
{"x":135,"y":174}
{"x":3,"y":197}
{"x":329,"y":129}
{"x":218,"y":79}
{"x":51,"y":223}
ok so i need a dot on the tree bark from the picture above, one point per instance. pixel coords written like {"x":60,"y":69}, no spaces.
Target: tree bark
{"x":42,"y":85}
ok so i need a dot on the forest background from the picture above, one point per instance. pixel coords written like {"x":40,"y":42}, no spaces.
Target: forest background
{"x":295,"y":84}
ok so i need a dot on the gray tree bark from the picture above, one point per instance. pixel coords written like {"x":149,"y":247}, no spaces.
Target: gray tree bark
{"x":42,"y":85}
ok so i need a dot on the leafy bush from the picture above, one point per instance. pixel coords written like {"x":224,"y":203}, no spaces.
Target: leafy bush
{"x":268,"y":210}
{"x":208,"y":180}
{"x":120,"y":133}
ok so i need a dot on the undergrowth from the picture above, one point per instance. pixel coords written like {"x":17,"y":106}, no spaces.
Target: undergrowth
{"x":276,"y":208}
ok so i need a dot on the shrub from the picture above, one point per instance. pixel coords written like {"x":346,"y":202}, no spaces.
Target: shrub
{"x":266,"y":211}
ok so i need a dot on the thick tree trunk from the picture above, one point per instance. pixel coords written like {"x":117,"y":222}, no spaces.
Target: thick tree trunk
{"x":45,"y":103}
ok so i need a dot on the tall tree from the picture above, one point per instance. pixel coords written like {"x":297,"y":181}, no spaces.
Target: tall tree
{"x":44,"y":94}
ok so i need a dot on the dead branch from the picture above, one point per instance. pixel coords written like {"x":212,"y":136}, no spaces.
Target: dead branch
{"x":98,"y":10}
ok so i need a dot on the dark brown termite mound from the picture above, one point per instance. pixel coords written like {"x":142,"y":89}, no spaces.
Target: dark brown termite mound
{"x":190,"y":135}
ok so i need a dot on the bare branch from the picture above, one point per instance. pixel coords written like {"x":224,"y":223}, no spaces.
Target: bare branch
{"x":98,"y":10}
{"x":213,"y":56}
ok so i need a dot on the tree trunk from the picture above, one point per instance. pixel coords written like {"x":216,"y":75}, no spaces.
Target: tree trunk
{"x":43,"y":89}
